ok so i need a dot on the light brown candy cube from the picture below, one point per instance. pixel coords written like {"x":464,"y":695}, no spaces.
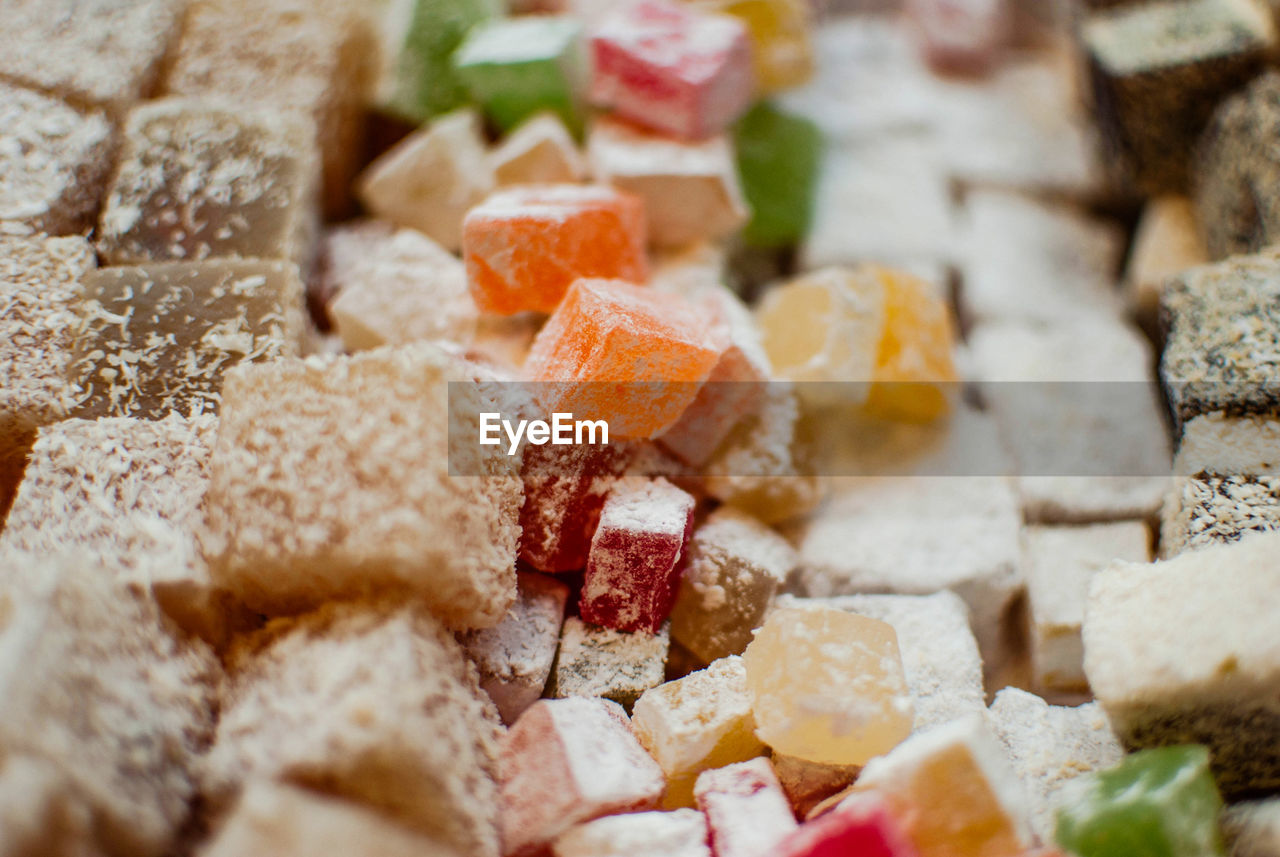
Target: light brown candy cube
{"x":540,"y":151}
{"x":200,"y":179}
{"x":1167,"y":242}
{"x":156,"y":339}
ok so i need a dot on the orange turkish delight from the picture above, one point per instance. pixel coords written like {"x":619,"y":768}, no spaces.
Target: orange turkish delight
{"x":914,"y":365}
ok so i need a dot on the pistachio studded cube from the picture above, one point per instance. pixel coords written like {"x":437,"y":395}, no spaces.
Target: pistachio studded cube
{"x":158,"y":338}
{"x":199,"y":180}
{"x":54,"y":162}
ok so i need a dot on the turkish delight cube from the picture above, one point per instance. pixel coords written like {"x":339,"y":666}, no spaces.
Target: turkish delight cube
{"x":539,"y":151}
{"x":601,"y":662}
{"x":747,"y":812}
{"x":564,"y":490}
{"x":860,"y":825}
{"x":781,"y":45}
{"x":1167,"y":242}
{"x":779,"y":156}
{"x":682,"y":833}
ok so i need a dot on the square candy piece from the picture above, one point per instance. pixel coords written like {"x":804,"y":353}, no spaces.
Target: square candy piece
{"x":1049,"y":746}
{"x":430,"y":178}
{"x":690,"y":189}
{"x":402,"y":288}
{"x":747,"y":812}
{"x":518,"y":67}
{"x":198,"y":179}
{"x":781,"y":46}
{"x":1059,"y":562}
{"x":564,"y":490}
{"x":601,"y":662}
{"x":672,"y":68}
{"x":627,"y":354}
{"x":697,"y":723}
{"x":104,"y":51}
{"x":516,"y":655}
{"x":330,"y":479}
{"x":731,"y":570}
{"x":567,"y":761}
{"x":1185,"y":651}
{"x":961,"y":35}
{"x":1166,"y":243}
{"x":525,"y":246}
{"x":158,"y":338}
{"x":632,"y":568}
{"x":682,"y":833}
{"x":540,"y":151}
{"x":859,"y":825}
{"x":779,"y":158}
{"x":54,"y":162}
{"x":289,"y":56}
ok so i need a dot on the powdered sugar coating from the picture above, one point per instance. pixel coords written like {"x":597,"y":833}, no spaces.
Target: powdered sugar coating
{"x":747,"y":812}
{"x":682,"y":833}
{"x":602,"y":662}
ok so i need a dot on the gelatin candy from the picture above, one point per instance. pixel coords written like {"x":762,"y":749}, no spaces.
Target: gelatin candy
{"x":626,"y":354}
{"x":732,"y":568}
{"x":601,"y":662}
{"x":778,"y":159}
{"x":690,"y":188}
{"x":860,"y":825}
{"x":781,"y":45}
{"x":747,"y":813}
{"x":671,"y":68}
{"x":539,"y":151}
{"x":914,"y":373}
{"x":697,"y":723}
{"x":1156,"y":803}
{"x":525,"y":246}
{"x":518,"y":67}
{"x":566,"y":761}
{"x":827,"y":686}
{"x":564,"y":490}
{"x":633,"y":564}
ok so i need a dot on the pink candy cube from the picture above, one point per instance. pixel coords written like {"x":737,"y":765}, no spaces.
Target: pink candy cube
{"x":632,"y":574}
{"x":677,"y":70}
{"x":566,"y":761}
{"x":960,"y":35}
{"x":747,"y":813}
{"x":564,"y":490}
{"x":863,"y":827}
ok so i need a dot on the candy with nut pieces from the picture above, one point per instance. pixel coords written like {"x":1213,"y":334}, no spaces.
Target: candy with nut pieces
{"x":600,"y":662}
{"x":747,"y":812}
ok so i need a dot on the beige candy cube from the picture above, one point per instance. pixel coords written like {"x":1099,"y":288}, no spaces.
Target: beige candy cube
{"x":403,"y":288}
{"x":690,"y":189}
{"x":372,"y":702}
{"x":430,"y":179}
{"x":330,"y":478}
{"x":682,"y":833}
{"x":1167,"y":242}
{"x":540,"y":151}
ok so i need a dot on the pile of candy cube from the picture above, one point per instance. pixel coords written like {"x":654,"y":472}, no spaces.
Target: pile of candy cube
{"x":264,"y":263}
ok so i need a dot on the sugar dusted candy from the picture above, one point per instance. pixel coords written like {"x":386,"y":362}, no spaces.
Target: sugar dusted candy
{"x":539,"y":151}
{"x":632,"y":568}
{"x":429,"y":179}
{"x":585,"y":359}
{"x":690,"y":271}
{"x":54,"y":161}
{"x":675,"y":69}
{"x":594,"y":661}
{"x":696,"y":723}
{"x":953,"y":792}
{"x":288,"y":821}
{"x":158,"y":338}
{"x":373,"y":702}
{"x":778,"y":159}
{"x":199,"y":179}
{"x":729,"y":573}
{"x":1160,"y":802}
{"x":1185,"y":650}
{"x":682,"y":833}
{"x":566,"y":761}
{"x":1059,"y":562}
{"x":525,"y":246}
{"x":107,"y":52}
{"x":401,"y":287}
{"x":961,"y":35}
{"x":781,"y":47}
{"x":1167,"y":242}
{"x":516,"y":655}
{"x":329,"y":479}
{"x":747,"y":812}
{"x":1050,"y":746}
{"x":858,"y":825}
{"x":518,"y":67}
{"x":289,"y":56}
{"x":564,"y":490}
{"x":690,"y":188}
{"x":827,"y":686}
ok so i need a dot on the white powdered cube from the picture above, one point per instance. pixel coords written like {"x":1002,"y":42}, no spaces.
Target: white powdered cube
{"x":746,"y":808}
{"x":939,"y":652}
{"x":1074,"y":400}
{"x":1059,"y":563}
{"x":1252,"y":828}
{"x":515,"y":656}
{"x":1186,"y":651}
{"x":1025,"y":260}
{"x":616,"y":665}
{"x":430,"y":179}
{"x":916,"y":536}
{"x":1049,"y":746}
{"x":682,"y":833}
{"x":690,"y":188}
{"x":689,"y":271}
{"x":1167,"y":242}
{"x":540,"y":151}
{"x":404,"y":288}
